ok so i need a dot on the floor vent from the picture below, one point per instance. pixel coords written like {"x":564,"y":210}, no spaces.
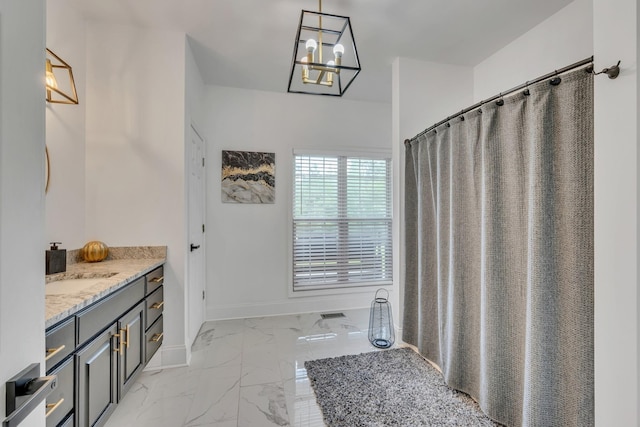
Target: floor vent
{"x":332,"y":315}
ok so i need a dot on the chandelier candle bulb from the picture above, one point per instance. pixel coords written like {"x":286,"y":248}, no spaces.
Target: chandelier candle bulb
{"x":311,"y":46}
{"x":338,"y":51}
{"x":330,"y":64}
{"x":305,"y":69}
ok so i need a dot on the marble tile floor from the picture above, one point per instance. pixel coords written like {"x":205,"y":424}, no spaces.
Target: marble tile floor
{"x":245,"y":372}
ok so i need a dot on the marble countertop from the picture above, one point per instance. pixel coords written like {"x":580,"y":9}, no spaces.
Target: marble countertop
{"x":58,"y":307}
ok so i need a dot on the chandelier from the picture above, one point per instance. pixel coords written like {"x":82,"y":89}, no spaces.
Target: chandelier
{"x":325,"y":58}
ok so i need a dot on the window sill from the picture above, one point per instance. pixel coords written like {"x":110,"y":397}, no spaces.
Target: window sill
{"x":339,"y":290}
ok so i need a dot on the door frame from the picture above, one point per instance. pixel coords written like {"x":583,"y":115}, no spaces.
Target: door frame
{"x":191,"y":288}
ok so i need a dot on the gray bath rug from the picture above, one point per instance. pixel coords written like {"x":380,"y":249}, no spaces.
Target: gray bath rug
{"x":389,"y":388}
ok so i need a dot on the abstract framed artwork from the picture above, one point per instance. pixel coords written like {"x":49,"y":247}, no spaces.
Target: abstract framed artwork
{"x":248,"y":177}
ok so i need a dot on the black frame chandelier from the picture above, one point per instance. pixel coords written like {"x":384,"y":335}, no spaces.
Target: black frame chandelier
{"x":325,"y":58}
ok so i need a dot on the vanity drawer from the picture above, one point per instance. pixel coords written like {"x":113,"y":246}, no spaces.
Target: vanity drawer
{"x":69,"y":422}
{"x":60,"y":401}
{"x":155,"y":306}
{"x":155,"y":279}
{"x":154,"y":337}
{"x":102,"y":314}
{"x":60,"y":341}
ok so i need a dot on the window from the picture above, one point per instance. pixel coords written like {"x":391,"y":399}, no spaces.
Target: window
{"x":341,"y":221}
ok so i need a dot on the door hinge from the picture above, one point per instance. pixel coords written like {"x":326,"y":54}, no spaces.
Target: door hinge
{"x":203,"y":228}
{"x":202,"y":294}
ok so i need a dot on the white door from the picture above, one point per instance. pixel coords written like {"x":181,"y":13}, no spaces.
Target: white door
{"x":196,"y":249}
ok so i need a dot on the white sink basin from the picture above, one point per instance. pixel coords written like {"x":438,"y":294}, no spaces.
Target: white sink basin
{"x":71,"y":286}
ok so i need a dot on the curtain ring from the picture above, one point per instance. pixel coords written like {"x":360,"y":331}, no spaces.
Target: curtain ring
{"x":500,"y":102}
{"x":526,"y":91}
{"x":461,"y":115}
{"x":556,"y":80}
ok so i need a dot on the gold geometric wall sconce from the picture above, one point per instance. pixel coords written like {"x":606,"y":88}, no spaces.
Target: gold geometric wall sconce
{"x":56,"y":73}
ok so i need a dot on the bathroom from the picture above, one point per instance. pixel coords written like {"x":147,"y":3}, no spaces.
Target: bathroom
{"x":118,"y":175}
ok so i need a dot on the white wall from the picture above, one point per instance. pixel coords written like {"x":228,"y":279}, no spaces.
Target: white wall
{"x":616,"y":35}
{"x":427,"y":92}
{"x":248,"y":245}
{"x":560,"y":40}
{"x":22,"y":129}
{"x":135,"y":153}
{"x":65,"y":200}
{"x":194,"y":91}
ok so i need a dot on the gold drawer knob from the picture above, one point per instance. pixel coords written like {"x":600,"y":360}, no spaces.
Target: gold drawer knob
{"x":157,"y":279}
{"x":157,"y":305}
{"x":157,"y":337}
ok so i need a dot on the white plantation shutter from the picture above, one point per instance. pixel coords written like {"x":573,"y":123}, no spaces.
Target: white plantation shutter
{"x":341,"y":222}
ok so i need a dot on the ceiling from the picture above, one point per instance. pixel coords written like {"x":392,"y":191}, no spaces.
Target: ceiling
{"x":249,"y":43}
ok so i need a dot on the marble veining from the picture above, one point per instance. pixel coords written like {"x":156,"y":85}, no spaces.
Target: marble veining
{"x":245,"y":372}
{"x":116,"y":273}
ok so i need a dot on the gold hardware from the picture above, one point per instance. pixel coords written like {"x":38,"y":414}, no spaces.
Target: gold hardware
{"x":53,"y":406}
{"x":157,"y":305}
{"x":157,"y":337}
{"x":53,"y":351}
{"x":157,"y":279}
{"x":54,"y":62}
{"x":120,"y":348}
{"x":124,"y":333}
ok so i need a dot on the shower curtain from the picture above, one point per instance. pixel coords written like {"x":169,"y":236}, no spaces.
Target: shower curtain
{"x":499,"y":253}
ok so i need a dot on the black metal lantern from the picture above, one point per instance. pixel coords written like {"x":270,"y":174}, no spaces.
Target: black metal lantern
{"x":325,"y":59}
{"x":381,"y":333}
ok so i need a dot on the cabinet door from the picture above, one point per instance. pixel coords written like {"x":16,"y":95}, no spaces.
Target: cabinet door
{"x":131,"y":359}
{"x":97,"y":379}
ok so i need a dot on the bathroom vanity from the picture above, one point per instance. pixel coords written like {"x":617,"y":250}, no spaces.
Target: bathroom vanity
{"x":104,"y":323}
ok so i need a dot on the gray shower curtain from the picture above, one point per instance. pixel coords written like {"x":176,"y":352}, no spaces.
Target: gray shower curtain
{"x":499,"y":254}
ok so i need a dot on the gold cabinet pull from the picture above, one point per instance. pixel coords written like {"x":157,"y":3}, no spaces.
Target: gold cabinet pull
{"x":124,"y":338}
{"x":120,"y":348}
{"x":52,"y":407}
{"x":53,"y":351}
{"x":157,"y":279}
{"x":157,"y":305}
{"x":157,"y":337}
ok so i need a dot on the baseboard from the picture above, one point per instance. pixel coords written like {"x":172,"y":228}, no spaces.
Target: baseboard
{"x":292,"y":306}
{"x":168,"y":357}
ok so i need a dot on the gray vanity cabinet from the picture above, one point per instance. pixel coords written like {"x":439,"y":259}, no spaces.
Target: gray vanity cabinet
{"x":97,"y":379}
{"x":99,"y":351}
{"x":132,"y":346}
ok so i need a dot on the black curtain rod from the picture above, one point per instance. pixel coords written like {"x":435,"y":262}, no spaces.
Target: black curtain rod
{"x":610,"y":71}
